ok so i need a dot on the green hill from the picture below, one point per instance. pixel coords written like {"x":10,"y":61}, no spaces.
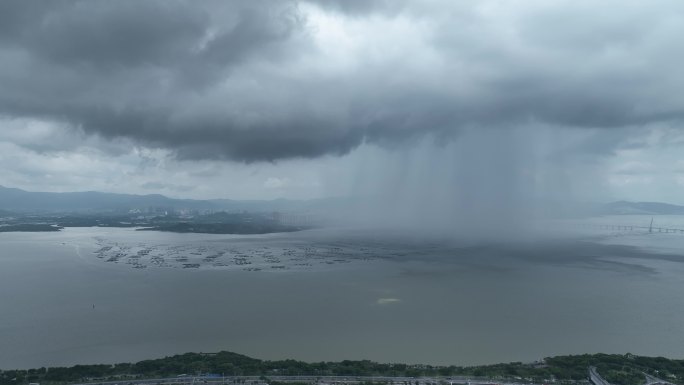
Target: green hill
{"x":616,"y":368}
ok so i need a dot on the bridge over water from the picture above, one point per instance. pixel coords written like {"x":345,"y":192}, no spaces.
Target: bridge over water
{"x":631,"y":228}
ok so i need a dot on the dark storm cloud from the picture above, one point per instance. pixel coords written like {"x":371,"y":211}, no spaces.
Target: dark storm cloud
{"x":361,"y":7}
{"x":102,"y":33}
{"x":246,"y":80}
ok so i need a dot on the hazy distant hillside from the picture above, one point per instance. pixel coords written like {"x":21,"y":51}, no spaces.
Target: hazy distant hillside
{"x":19,"y":200}
{"x":4,"y":213}
{"x":645,"y":208}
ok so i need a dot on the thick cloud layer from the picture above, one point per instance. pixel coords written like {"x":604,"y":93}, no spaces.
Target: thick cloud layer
{"x":271,"y":80}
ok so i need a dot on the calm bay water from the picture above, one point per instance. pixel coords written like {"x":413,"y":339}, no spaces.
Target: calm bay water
{"x":332,"y":295}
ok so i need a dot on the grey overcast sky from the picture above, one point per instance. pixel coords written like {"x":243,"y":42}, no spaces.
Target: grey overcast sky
{"x":303,"y":99}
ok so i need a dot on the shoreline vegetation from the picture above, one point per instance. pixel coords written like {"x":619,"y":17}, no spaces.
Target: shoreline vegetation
{"x":29,"y":227}
{"x":223,"y":228}
{"x":213,"y":223}
{"x":618,"y":369}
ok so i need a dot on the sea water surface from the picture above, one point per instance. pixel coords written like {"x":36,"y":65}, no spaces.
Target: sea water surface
{"x":105,"y":295}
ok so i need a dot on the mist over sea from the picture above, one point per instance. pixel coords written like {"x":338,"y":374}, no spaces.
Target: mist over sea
{"x":105,"y":295}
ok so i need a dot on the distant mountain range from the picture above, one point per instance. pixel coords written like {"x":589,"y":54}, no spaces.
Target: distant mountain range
{"x":17,"y":200}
